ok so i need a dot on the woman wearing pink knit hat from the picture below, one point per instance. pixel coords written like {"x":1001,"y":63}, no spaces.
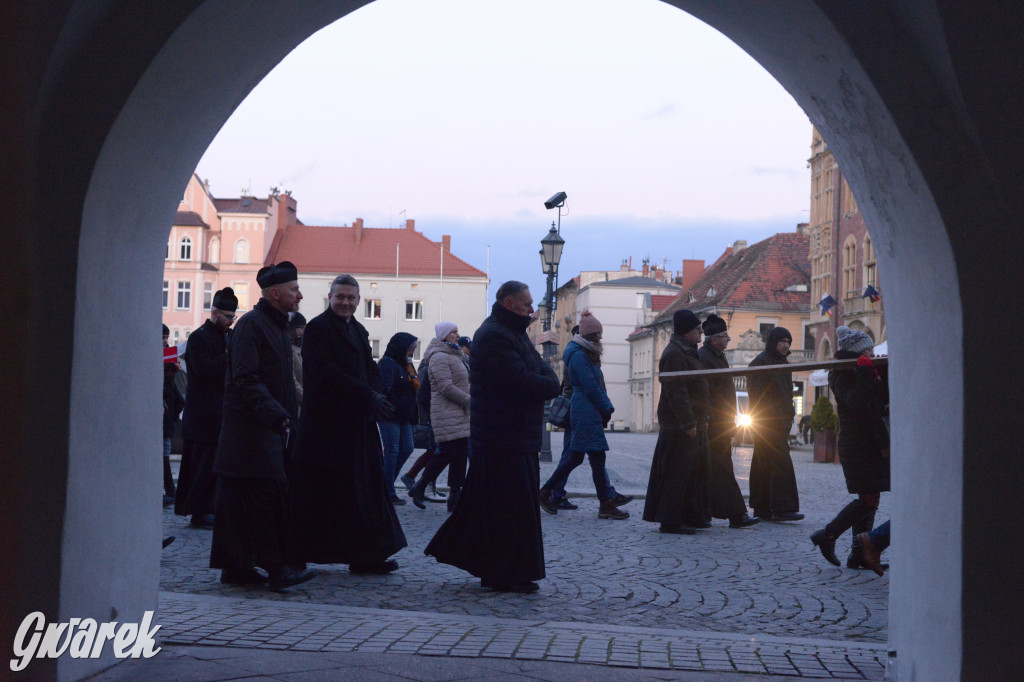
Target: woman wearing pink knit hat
{"x":590,"y":410}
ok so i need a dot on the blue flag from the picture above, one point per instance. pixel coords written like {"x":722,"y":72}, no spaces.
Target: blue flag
{"x":872,"y":294}
{"x":827,"y":303}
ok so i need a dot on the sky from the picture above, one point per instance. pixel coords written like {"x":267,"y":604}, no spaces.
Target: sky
{"x":466,"y":115}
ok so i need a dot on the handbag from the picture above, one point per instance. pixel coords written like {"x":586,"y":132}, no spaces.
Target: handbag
{"x":558,"y":412}
{"x":422,"y":437}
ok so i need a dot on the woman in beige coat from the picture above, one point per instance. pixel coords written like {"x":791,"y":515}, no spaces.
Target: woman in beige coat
{"x":448,"y":370}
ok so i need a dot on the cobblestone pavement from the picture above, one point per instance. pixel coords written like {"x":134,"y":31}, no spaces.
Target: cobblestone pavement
{"x":766,"y":581}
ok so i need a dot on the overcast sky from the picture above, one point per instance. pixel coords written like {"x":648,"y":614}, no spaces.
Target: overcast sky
{"x":670,"y":141}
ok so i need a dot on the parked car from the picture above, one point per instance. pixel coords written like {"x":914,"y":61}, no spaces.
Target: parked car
{"x":744,"y":421}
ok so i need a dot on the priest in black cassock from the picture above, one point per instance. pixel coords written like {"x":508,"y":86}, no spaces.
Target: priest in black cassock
{"x":495,"y":532}
{"x":251,"y":518}
{"x":341,"y":506}
{"x":207,"y":361}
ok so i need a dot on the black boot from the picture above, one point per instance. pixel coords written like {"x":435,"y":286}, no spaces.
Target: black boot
{"x":826,"y":542}
{"x":417,"y":493}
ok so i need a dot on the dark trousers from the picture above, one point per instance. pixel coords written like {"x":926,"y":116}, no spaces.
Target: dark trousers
{"x":772,"y":478}
{"x":880,"y":537}
{"x":726,"y":496}
{"x":558,"y":493}
{"x":597,"y":470}
{"x":452,"y":454}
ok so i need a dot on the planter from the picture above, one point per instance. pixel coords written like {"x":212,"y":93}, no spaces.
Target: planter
{"x":825,"y":446}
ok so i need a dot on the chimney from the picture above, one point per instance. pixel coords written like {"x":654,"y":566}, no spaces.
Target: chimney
{"x":647,"y":269}
{"x":803,"y":229}
{"x":692,"y":270}
{"x":410,"y":224}
{"x":446,"y":243}
{"x":358,"y":224}
{"x":739,"y":245}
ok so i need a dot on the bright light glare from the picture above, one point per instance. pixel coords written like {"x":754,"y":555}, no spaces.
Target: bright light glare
{"x":743,"y":420}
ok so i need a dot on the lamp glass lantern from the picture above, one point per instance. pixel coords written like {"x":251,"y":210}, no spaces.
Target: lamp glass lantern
{"x":551,"y":251}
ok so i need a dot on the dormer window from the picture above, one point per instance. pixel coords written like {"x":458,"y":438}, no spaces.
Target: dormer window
{"x":711,"y":292}
{"x":690,"y":298}
{"x":797,"y":288}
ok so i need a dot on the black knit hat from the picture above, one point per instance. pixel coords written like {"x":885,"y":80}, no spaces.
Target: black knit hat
{"x":296,"y":320}
{"x":683,"y":321}
{"x":714,"y":325}
{"x":167,"y":332}
{"x":225,"y":300}
{"x":270,"y":275}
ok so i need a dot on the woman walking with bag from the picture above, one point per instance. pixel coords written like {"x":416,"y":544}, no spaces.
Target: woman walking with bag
{"x":399,"y":386}
{"x":861,"y":397}
{"x":448,"y":370}
{"x":589,"y":412}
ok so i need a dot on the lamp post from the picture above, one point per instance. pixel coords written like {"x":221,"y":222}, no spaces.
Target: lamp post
{"x":550,"y":254}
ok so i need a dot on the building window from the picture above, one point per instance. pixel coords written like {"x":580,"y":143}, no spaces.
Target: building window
{"x":870,"y":267}
{"x":808,"y":338}
{"x":242,"y":294}
{"x":185,"y":248}
{"x":207,"y":296}
{"x":242,"y":251}
{"x":417,"y":353}
{"x":175,"y":338}
{"x":167,"y":250}
{"x":184,"y":296}
{"x":414,"y":310}
{"x":214,"y":250}
{"x":849,"y":268}
{"x":764,"y":327}
{"x":167,"y":293}
{"x":375,"y":348}
{"x":371,"y":309}
{"x":327,"y":303}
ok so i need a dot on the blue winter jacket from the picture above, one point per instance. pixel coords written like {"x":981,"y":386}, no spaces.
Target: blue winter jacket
{"x":589,"y":405}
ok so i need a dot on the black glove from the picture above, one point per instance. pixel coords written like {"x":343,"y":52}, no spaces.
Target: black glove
{"x":382,"y":409}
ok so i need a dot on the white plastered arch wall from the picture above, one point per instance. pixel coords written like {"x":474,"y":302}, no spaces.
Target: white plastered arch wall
{"x":111,"y":525}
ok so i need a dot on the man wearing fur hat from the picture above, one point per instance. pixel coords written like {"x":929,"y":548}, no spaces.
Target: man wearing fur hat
{"x":677,"y":492}
{"x":251,"y":519}
{"x":773,"y":493}
{"x":726,"y":498}
{"x":206,"y":355}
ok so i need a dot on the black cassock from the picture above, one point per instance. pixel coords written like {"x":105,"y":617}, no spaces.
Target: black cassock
{"x":495,"y":531}
{"x":207,"y":362}
{"x":341,"y":510}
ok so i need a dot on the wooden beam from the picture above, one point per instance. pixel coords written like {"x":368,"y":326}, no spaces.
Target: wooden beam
{"x":769,"y":369}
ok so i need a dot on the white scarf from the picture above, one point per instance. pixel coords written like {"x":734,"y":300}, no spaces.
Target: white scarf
{"x":596,"y":348}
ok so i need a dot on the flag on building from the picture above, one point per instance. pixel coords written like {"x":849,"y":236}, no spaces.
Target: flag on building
{"x":827,"y":303}
{"x":872,"y":294}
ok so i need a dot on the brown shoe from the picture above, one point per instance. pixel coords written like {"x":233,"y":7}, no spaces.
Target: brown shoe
{"x":610,"y":511}
{"x":871,"y":554}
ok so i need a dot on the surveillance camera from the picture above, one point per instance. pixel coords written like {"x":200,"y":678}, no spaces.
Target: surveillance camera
{"x":556,"y":200}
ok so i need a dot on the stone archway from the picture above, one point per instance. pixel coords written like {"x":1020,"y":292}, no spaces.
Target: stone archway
{"x":907,"y":93}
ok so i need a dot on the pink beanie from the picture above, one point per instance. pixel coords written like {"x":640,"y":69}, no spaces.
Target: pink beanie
{"x":589,"y":324}
{"x":443,"y":329}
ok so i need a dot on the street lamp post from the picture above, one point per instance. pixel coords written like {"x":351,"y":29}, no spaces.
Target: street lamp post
{"x":550,"y":254}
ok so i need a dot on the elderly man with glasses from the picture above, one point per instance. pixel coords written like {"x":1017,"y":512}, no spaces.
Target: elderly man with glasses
{"x":726,"y":498}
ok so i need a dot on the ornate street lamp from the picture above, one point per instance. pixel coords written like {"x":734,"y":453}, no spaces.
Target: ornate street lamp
{"x":550,"y":255}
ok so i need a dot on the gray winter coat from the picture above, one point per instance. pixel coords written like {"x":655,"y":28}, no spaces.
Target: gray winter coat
{"x":449,"y":391}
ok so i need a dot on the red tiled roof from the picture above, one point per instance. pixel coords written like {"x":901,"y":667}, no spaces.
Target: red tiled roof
{"x":334,"y":250}
{"x":754,"y":278}
{"x":242,"y":205}
{"x":659,"y":302}
{"x":189,"y":219}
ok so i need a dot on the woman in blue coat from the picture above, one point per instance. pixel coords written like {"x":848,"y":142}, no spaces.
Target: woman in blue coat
{"x":589,"y":412}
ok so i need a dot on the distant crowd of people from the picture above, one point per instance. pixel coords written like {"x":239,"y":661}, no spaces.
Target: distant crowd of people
{"x":294,"y":437}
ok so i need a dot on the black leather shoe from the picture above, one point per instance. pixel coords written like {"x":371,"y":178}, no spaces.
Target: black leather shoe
{"x":621,"y":499}
{"x":204,"y":521}
{"x":417,"y":496}
{"x":677,"y":530}
{"x":167,"y":541}
{"x":290,"y":578}
{"x":787,"y":516}
{"x":743,"y":521}
{"x":238,"y":576}
{"x":374,"y":568}
{"x":564,"y":503}
{"x":826,"y":544}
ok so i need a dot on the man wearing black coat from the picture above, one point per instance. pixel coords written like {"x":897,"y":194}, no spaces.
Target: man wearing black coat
{"x":495,"y":532}
{"x":206,"y":355}
{"x":251,"y":517}
{"x":677,"y":491}
{"x":773,"y":493}
{"x":341,"y":507}
{"x":726,"y":497}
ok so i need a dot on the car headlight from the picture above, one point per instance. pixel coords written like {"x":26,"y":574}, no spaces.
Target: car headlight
{"x":743,"y":421}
